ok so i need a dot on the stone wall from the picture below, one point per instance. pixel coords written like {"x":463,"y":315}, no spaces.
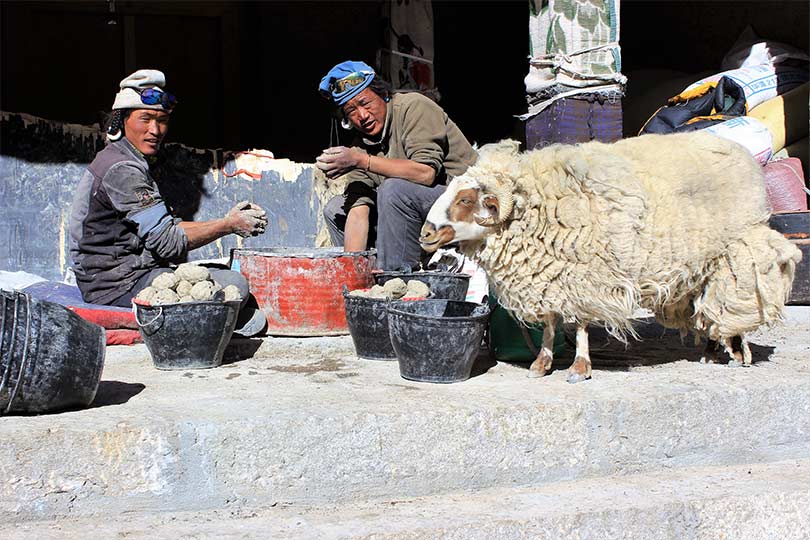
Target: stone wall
{"x":42,"y":161}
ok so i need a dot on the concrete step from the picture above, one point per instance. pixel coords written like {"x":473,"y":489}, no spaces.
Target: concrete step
{"x":762,"y":501}
{"x":303,"y":421}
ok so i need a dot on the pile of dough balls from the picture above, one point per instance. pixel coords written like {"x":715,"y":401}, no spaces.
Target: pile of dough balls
{"x":395,"y":289}
{"x":189,"y":283}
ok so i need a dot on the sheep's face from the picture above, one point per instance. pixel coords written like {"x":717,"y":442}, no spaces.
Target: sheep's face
{"x":461,"y":214}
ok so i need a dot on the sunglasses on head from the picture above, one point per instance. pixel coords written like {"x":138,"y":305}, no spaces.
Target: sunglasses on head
{"x":153,"y":96}
{"x":349,"y":81}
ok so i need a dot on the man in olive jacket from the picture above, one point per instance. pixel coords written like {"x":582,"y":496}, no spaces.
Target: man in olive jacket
{"x":406,"y":151}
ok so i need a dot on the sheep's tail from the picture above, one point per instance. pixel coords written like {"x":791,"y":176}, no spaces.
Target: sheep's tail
{"x":749,"y":286}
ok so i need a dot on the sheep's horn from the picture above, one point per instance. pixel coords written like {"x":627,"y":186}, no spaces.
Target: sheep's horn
{"x":505,"y":203}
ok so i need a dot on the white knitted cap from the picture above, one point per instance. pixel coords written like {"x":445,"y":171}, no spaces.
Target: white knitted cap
{"x":142,"y":79}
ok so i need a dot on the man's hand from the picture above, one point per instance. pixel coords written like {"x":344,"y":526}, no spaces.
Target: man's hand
{"x":247,"y":219}
{"x":339,"y":160}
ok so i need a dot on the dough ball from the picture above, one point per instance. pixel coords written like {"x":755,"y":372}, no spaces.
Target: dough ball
{"x":165,"y":281}
{"x":231,"y":293}
{"x":377,"y":291}
{"x":146,"y":295}
{"x":417,"y":289}
{"x":360,"y":292}
{"x":165,"y":296}
{"x":395,"y":288}
{"x":183,"y":287}
{"x":186,"y":299}
{"x":202,"y":290}
{"x":192,"y":273}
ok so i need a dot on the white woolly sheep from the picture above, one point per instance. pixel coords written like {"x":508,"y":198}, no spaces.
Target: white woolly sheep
{"x":672,"y":223}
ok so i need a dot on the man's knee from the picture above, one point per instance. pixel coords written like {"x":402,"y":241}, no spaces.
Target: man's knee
{"x":395,"y":192}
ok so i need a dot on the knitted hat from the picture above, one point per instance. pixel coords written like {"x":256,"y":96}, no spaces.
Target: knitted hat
{"x":346,"y":80}
{"x":131,"y":87}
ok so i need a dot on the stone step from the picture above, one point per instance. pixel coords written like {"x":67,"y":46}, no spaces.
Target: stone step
{"x":304,"y":421}
{"x":758,"y":501}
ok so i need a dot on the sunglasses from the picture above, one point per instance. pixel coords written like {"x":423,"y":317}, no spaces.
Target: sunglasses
{"x":153,"y":96}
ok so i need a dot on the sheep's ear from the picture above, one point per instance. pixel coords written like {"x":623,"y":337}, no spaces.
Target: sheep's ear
{"x":491,"y":203}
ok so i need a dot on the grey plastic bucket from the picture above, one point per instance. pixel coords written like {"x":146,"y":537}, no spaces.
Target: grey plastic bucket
{"x":191,"y":335}
{"x":436,"y":340}
{"x":50,"y":358}
{"x":449,"y":285}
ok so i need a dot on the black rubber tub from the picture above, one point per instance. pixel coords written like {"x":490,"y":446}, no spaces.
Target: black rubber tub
{"x":436,"y":340}
{"x":368,"y":325}
{"x":50,"y":358}
{"x":448,"y":285}
{"x":190,"y":335}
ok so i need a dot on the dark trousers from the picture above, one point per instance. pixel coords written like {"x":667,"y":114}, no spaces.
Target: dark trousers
{"x":402,"y":208}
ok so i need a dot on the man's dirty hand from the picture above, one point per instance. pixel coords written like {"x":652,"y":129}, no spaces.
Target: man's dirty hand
{"x":338,"y":160}
{"x":247,"y":219}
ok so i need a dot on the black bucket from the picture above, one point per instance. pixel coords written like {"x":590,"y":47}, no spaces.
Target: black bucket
{"x":448,"y":285}
{"x":436,"y":340}
{"x":191,"y":335}
{"x":50,"y":358}
{"x":368,"y":325}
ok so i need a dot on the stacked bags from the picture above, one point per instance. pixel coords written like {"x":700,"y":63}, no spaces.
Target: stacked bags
{"x":760,"y":101}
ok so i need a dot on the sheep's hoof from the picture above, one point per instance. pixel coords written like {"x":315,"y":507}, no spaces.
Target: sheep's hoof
{"x":580,"y":370}
{"x":541,"y":366}
{"x":576,"y":377}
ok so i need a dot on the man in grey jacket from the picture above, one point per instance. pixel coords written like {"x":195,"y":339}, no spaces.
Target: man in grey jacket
{"x":122,"y":233}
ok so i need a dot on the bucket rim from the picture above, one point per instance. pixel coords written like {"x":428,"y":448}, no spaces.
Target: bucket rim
{"x":348,"y":295}
{"x":138,"y":305}
{"x":392,"y":308}
{"x":301,"y":252}
{"x":437,"y":273}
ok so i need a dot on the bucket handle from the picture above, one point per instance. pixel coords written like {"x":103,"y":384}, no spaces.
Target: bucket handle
{"x":24,"y":360}
{"x":145,"y":325}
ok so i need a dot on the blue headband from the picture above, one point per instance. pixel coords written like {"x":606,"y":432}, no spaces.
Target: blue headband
{"x":346,"y":80}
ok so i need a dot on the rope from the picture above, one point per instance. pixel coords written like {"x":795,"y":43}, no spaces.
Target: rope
{"x":555,"y":59}
{"x":540,"y":107}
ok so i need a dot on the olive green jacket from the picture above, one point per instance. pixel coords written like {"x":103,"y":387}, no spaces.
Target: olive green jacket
{"x":416,"y":128}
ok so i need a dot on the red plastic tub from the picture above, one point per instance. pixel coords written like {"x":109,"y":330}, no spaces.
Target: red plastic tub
{"x":300,"y":290}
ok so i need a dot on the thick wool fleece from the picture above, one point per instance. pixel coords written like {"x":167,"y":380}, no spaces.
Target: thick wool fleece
{"x":659,"y":221}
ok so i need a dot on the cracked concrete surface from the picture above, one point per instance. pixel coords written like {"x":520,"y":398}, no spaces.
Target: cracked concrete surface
{"x":302,"y":423}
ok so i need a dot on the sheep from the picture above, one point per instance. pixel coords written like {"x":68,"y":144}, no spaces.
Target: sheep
{"x":676,"y":224}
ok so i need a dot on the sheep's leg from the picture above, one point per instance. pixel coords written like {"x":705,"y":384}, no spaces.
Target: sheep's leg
{"x":738,"y":351}
{"x":746,"y":352}
{"x":542,"y":364}
{"x":710,"y":353}
{"x":580,"y":370}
